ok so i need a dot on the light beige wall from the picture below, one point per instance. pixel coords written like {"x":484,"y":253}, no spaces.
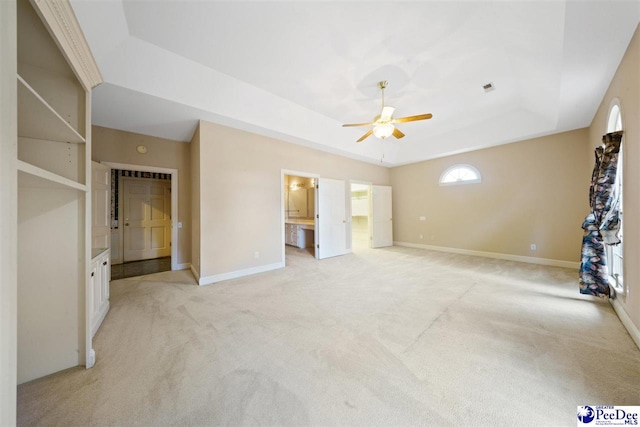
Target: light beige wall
{"x":117,"y":146}
{"x":535,"y":191}
{"x":8,"y":214}
{"x":195,"y":201}
{"x":626,"y":87}
{"x":241,"y":194}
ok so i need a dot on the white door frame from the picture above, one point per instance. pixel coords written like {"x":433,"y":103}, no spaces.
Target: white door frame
{"x":174,"y":201}
{"x":357,"y":181}
{"x":284,"y":172}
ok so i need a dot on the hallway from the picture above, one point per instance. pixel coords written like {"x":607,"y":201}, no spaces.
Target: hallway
{"x":140,"y":268}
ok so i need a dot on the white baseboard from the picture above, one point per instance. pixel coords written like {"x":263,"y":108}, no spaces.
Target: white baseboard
{"x":236,"y":274}
{"x":508,"y":257}
{"x":626,"y":321}
{"x":183,"y":266}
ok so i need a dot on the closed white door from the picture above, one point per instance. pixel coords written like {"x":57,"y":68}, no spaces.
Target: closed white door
{"x":381,"y":216}
{"x":332,"y":218}
{"x":147,"y":219}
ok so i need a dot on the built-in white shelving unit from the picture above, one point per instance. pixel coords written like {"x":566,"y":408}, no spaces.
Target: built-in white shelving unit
{"x":40,"y":178}
{"x":56,"y":73}
{"x":38,"y":120}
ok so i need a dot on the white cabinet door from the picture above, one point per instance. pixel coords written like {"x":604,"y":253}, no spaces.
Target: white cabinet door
{"x":332,"y":220}
{"x":93,"y":289}
{"x":100,"y":277}
{"x":381,"y":216}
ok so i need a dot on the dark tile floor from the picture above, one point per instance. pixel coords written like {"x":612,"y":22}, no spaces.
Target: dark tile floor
{"x":139,"y":268}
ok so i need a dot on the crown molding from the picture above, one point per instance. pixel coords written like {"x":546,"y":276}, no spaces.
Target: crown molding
{"x":61,"y":21}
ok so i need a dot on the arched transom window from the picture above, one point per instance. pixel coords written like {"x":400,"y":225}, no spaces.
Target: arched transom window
{"x":460,"y":174}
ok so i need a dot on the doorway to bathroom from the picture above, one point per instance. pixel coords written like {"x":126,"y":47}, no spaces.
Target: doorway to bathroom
{"x":299,"y":215}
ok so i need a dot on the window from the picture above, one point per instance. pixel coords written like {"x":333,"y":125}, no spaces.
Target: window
{"x":460,"y":174}
{"x":614,"y":253}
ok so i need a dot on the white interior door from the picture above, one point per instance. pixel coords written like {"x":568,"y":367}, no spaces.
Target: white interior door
{"x":147,"y":219}
{"x":381,"y":216}
{"x":332,"y":218}
{"x":100,"y":205}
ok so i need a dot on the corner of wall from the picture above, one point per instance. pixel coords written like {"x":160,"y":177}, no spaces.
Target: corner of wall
{"x":195,"y":201}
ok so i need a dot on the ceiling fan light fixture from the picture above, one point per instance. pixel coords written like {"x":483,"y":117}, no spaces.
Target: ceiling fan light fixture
{"x":384,"y":130}
{"x":382,"y":124}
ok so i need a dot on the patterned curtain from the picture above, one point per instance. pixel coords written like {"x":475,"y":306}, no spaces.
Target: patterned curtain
{"x":602,"y":224}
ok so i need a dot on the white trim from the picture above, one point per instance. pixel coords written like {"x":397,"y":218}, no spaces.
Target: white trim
{"x":626,"y":321}
{"x":174,"y":201}
{"x":508,"y":257}
{"x":61,"y":21}
{"x":236,"y":274}
{"x":183,"y":266}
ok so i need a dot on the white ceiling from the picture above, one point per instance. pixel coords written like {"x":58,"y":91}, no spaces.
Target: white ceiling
{"x":297,"y":70}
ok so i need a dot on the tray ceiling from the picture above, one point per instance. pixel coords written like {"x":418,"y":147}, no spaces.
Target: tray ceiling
{"x":297,"y":70}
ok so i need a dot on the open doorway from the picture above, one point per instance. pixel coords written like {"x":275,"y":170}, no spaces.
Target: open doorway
{"x":360,"y":216}
{"x":299,"y":207}
{"x":143,"y":208}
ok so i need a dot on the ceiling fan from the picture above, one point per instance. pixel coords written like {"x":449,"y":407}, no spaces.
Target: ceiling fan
{"x":383,"y":124}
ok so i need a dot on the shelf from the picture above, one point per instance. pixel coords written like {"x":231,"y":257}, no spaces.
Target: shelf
{"x":38,"y":120}
{"x":34,"y":176}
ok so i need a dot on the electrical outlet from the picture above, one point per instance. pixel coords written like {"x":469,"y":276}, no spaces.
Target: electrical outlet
{"x":533,"y":247}
{"x":421,"y":237}
{"x":256,"y":254}
{"x":423,"y":218}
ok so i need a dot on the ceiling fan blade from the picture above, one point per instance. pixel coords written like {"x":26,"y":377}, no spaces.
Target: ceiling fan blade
{"x":356,"y":124}
{"x":412,"y":118}
{"x":363,"y":137}
{"x":387,"y":113}
{"x":398,"y":133}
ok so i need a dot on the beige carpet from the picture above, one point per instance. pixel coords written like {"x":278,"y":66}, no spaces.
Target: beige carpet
{"x":393,"y":336}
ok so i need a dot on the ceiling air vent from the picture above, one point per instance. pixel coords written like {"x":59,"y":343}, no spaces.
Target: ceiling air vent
{"x":488,"y":87}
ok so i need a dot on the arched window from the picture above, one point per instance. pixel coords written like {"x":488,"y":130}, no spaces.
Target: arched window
{"x":614,"y":254}
{"x":460,"y":174}
{"x":614,"y":121}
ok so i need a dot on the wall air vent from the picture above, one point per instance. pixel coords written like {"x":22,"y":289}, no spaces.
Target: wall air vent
{"x":488,"y":87}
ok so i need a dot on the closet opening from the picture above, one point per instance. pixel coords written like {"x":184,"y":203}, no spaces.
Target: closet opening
{"x":360,"y":216}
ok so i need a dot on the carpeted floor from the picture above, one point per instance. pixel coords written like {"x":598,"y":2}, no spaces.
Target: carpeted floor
{"x":393,"y":336}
